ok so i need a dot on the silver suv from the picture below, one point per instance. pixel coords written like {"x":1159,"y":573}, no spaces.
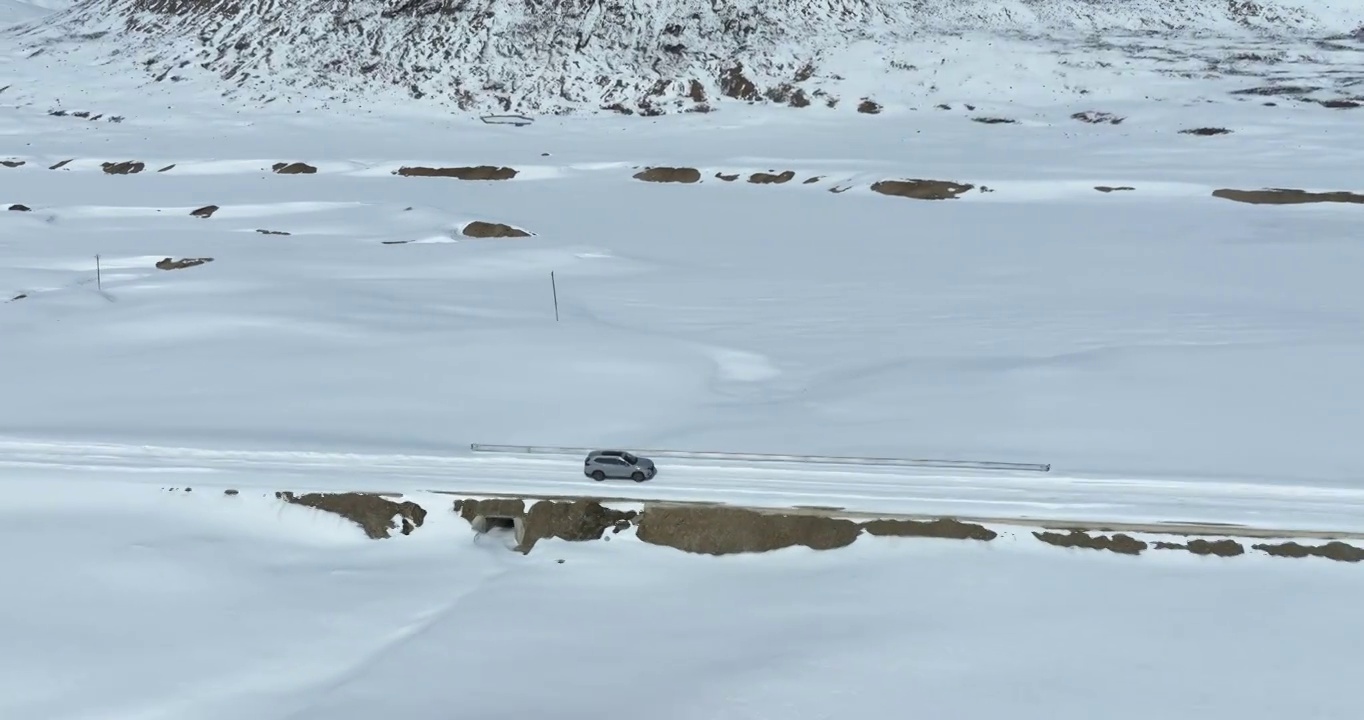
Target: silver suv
{"x":602,"y":464}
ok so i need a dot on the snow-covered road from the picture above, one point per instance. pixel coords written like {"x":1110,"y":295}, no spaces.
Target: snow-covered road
{"x":860,"y":489}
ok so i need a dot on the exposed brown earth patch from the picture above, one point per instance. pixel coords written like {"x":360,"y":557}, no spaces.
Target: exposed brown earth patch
{"x":1335,"y":550}
{"x":1339,"y":104}
{"x":1286,"y":196}
{"x":1205,"y":131}
{"x":20,"y":208}
{"x":948,"y":528}
{"x":182,"y":263}
{"x":1096,"y":117}
{"x":813,"y":180}
{"x":294,"y":168}
{"x":727,"y":178}
{"x":480,"y":229}
{"x":922,"y":189}
{"x":376,"y":515}
{"x":60,"y":165}
{"x":839,"y":189}
{"x":1108,"y":189}
{"x":869,"y":107}
{"x":760,"y":178}
{"x":205,"y":211}
{"x":1119,"y":543}
{"x":1271,"y":90}
{"x":480,"y":172}
{"x":12,"y":163}
{"x":577,"y":520}
{"x":994,"y":120}
{"x":669,"y":175}
{"x":729,"y":530}
{"x":272,"y":232}
{"x":734,"y":84}
{"x":130,"y":167}
{"x":1199,"y":546}
{"x":495,"y":507}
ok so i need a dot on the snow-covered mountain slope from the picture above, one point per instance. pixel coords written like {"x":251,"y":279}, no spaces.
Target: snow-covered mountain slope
{"x":655,"y":56}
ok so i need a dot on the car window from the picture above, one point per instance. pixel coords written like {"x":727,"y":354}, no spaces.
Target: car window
{"x":630,"y":458}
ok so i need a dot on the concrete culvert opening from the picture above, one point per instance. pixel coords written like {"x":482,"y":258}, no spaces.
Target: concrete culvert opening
{"x":512,"y":530}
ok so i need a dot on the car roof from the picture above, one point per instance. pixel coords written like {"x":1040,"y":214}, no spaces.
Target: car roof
{"x":599,"y":453}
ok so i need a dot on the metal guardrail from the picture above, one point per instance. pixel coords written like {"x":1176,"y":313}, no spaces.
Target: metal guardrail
{"x":763,"y":457}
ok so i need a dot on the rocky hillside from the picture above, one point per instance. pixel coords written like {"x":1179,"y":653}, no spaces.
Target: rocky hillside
{"x":633,"y":56}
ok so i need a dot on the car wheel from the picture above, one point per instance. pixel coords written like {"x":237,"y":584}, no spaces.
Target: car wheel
{"x":637,"y":477}
{"x":598,"y":475}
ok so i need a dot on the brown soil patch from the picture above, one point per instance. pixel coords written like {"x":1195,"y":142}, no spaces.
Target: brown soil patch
{"x":1118,"y":543}
{"x":1332,"y":551}
{"x":669,"y":175}
{"x":59,"y":165}
{"x":728,"y":530}
{"x":296,"y":168}
{"x":272,"y":232}
{"x":130,"y":167}
{"x":20,"y":208}
{"x":205,"y":211}
{"x":373,"y":513}
{"x":948,"y":528}
{"x":770,"y":179}
{"x":1285,"y":196}
{"x":1205,"y":131}
{"x":727,"y":178}
{"x":813,"y":180}
{"x":1095,"y":117}
{"x":481,"y":172}
{"x":799,"y":99}
{"x":869,"y":106}
{"x":1269,"y":90}
{"x":1340,"y":104}
{"x":12,"y":163}
{"x":838,"y":190}
{"x":1107,"y":189}
{"x":495,"y":507}
{"x":1220,"y":548}
{"x":169,"y":264}
{"x":168,"y":168}
{"x":733,"y":83}
{"x":480,"y":229}
{"x":922,"y":189}
{"x":994,"y":120}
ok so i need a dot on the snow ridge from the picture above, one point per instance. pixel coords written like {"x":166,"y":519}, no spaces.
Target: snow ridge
{"x":647,"y":56}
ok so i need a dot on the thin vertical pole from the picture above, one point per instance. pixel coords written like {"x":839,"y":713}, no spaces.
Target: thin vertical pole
{"x":99,"y":277}
{"x":553,"y":286}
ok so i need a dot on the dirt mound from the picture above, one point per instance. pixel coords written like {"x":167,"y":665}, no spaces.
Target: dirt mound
{"x":1339,"y":104}
{"x":727,"y":530}
{"x":948,"y":528}
{"x":1334,"y":550}
{"x":169,"y":264}
{"x":20,"y":208}
{"x":869,"y":106}
{"x":1118,"y":543}
{"x":1220,"y":548}
{"x":922,"y":189}
{"x":1205,"y":131}
{"x":669,"y":175}
{"x":1285,"y":196}
{"x":480,"y":172}
{"x":205,"y":211}
{"x":373,"y":513}
{"x":577,"y":520}
{"x":1095,"y":117}
{"x":12,"y":163}
{"x":480,"y":229}
{"x":296,"y":168}
{"x":130,"y":167}
{"x":770,"y":179}
{"x":1108,"y":189}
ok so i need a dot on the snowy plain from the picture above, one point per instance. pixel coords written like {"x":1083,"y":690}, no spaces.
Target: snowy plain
{"x":1173,"y":355}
